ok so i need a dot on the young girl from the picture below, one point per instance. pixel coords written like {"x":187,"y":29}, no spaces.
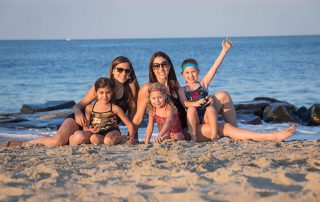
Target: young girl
{"x":165,"y":114}
{"x":194,"y":95}
{"x":103,"y":115}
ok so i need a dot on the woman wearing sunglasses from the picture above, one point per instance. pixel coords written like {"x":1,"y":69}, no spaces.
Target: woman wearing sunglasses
{"x":126,"y":89}
{"x":161,"y":70}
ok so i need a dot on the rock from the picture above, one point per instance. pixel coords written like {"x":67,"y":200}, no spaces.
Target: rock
{"x":53,"y":123}
{"x":48,"y":106}
{"x":280,"y":112}
{"x":315,"y":114}
{"x":249,"y":118}
{"x":12,"y":120}
{"x":304,"y":115}
{"x":2,"y":116}
{"x":55,"y":115}
{"x":272,"y":100}
{"x":253,"y":107}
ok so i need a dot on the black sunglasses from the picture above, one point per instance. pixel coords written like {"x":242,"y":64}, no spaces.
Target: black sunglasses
{"x":157,"y":66}
{"x":120,"y":70}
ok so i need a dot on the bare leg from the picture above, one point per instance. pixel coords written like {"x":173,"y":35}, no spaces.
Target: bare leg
{"x":68,"y":127}
{"x":210,"y":117}
{"x":193,"y":121}
{"x":224,"y":105}
{"x":112,"y":138}
{"x":228,"y":130}
{"x":96,"y":139}
{"x":80,"y":137}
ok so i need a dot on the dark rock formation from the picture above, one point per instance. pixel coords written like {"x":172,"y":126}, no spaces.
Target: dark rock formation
{"x":48,"y":106}
{"x":253,"y":107}
{"x":272,"y":100}
{"x":315,"y":114}
{"x":280,"y":112}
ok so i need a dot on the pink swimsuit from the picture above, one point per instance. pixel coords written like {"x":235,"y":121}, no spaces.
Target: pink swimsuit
{"x":175,"y":127}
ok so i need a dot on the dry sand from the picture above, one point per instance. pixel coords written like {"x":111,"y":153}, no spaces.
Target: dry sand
{"x":183,"y":171}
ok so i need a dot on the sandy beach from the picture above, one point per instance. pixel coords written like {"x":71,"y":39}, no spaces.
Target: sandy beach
{"x":184,"y":171}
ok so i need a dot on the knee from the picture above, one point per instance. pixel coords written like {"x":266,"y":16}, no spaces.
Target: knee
{"x":210,"y":109}
{"x":94,"y":139}
{"x":223,"y":96}
{"x":191,"y":111}
{"x":77,"y":138}
{"x":108,"y":141}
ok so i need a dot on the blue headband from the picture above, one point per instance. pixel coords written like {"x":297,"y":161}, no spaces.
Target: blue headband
{"x":189,"y":65}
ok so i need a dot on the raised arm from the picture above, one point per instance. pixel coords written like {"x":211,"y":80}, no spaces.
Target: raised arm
{"x":226,"y":45}
{"x":77,"y":108}
{"x":149,"y":128}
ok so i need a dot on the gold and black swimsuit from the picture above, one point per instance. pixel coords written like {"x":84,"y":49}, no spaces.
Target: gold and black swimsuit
{"x":106,"y":121}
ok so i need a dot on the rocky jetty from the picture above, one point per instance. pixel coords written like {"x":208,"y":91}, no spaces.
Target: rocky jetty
{"x":275,"y":111}
{"x":46,"y":115}
{"x":51,"y":114}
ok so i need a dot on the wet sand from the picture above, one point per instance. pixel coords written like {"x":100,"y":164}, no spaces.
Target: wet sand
{"x":220,"y":171}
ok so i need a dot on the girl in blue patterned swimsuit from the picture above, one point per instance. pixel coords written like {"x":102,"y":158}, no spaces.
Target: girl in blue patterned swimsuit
{"x":194,"y":95}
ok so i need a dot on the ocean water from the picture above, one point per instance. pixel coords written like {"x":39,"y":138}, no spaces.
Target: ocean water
{"x":285,"y":68}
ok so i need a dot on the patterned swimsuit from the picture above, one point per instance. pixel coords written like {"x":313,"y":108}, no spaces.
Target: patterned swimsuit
{"x":175,"y":126}
{"x":107,"y":121}
{"x":195,"y":95}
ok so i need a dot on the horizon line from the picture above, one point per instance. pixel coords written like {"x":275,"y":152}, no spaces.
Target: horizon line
{"x":146,"y":38}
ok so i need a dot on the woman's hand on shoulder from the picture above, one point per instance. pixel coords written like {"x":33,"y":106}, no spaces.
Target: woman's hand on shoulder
{"x":227,"y":44}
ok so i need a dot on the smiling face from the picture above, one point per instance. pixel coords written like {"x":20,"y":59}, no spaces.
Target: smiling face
{"x":158,"y":98}
{"x":104,"y":94}
{"x":190,"y":74}
{"x":121,"y":72}
{"x":161,"y":68}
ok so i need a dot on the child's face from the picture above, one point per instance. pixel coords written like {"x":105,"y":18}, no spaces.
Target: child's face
{"x":157,"y":98}
{"x":190,"y":74}
{"x":104,"y":94}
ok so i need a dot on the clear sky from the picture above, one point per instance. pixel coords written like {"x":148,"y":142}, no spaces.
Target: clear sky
{"x":91,"y":19}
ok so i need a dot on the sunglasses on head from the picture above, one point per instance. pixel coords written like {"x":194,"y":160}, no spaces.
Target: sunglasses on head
{"x":157,"y":66}
{"x":120,"y":70}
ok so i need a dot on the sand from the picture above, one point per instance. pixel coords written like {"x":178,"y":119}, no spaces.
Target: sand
{"x":184,"y":171}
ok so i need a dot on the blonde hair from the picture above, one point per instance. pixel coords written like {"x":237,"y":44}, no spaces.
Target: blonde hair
{"x":161,"y":88}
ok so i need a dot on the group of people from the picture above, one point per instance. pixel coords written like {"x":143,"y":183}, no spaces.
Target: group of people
{"x":181,"y":112}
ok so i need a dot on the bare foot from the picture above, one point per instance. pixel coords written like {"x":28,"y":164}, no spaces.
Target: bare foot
{"x":281,"y":135}
{"x":13,"y":143}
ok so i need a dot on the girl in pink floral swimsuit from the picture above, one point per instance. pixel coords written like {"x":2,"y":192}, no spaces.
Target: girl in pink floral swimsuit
{"x":163,"y":112}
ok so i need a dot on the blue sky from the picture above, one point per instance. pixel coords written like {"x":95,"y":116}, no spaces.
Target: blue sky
{"x":95,"y":19}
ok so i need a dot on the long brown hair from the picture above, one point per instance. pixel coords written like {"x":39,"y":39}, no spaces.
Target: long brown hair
{"x":172,"y":78}
{"x":131,"y":85}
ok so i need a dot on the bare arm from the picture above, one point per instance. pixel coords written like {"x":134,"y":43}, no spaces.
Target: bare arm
{"x":133,"y":105}
{"x":87,"y":99}
{"x":141,"y":105}
{"x":226,"y":45}
{"x":149,"y":128}
{"x":119,"y":112}
{"x":167,"y":124}
{"x":92,"y":129}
